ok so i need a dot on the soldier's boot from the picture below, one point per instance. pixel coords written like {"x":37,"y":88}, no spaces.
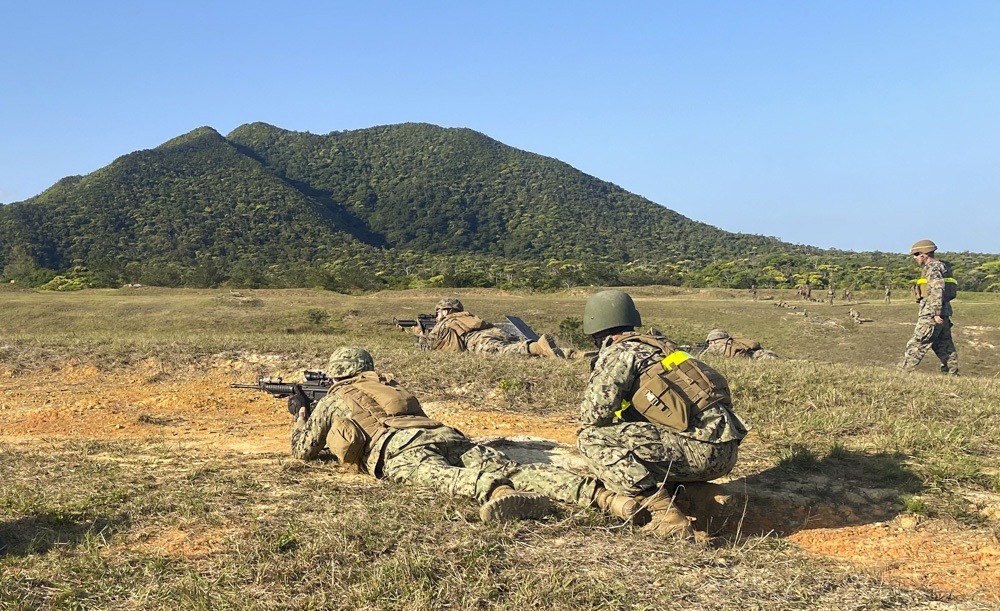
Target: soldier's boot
{"x":628,"y":508}
{"x":506,"y":504}
{"x":665,"y":519}
{"x":711,"y":505}
{"x":545,"y":346}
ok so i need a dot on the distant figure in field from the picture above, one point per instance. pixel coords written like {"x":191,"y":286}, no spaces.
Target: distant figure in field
{"x":857,"y":318}
{"x":753,"y":291}
{"x":720,"y":342}
{"x":831,"y":294}
{"x":807,"y":290}
{"x":934,"y":292}
{"x":888,"y":293}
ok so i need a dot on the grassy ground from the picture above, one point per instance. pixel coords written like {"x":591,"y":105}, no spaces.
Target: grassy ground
{"x":127,"y":523}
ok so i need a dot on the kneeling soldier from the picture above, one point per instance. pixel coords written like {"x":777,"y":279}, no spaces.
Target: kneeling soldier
{"x":657,"y":424}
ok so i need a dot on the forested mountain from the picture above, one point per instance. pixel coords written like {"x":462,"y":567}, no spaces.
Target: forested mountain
{"x":386,"y":206}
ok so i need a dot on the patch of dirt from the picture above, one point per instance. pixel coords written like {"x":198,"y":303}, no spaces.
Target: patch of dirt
{"x":865,"y":527}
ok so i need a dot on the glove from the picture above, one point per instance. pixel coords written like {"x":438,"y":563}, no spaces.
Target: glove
{"x":294,"y":405}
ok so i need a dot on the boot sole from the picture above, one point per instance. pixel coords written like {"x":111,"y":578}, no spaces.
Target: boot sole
{"x":517,"y":506}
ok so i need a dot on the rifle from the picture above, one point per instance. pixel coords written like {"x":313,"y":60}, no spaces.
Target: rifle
{"x":426,"y":322}
{"x":694,"y":349}
{"x":316,"y":386}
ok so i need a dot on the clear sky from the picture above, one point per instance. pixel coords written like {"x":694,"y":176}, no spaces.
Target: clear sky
{"x":852,"y":124}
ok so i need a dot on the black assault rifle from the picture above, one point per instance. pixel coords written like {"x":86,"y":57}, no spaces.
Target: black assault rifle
{"x":425,"y":321}
{"x":316,"y":386}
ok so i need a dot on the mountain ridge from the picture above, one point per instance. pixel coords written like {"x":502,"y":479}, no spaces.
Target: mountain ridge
{"x":207,"y":208}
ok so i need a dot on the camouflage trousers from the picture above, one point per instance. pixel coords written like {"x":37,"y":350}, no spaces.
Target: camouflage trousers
{"x":633,"y":457}
{"x":495,"y":341}
{"x":448,"y":461}
{"x":928,"y":335}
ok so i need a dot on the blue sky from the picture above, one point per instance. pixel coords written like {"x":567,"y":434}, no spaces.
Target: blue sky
{"x":845,"y":124}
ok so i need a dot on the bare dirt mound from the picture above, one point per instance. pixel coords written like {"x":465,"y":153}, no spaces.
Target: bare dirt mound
{"x":865,"y":527}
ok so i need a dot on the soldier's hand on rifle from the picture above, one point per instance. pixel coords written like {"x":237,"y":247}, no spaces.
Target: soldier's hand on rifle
{"x":295,"y":405}
{"x":302,"y":415}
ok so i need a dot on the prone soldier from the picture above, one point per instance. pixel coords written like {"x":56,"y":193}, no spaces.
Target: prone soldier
{"x":722,"y":343}
{"x":374,"y":426}
{"x":459,"y":331}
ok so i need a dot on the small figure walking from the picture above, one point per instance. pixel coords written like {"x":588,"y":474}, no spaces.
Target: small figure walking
{"x":888,"y":293}
{"x":831,"y":294}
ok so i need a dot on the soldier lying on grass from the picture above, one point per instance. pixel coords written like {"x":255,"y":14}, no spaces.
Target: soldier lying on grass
{"x":372,"y":425}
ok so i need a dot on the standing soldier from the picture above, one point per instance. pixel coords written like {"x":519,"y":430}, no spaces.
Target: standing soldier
{"x":934,"y":292}
{"x":888,"y":293}
{"x":830,"y":294}
{"x":753,"y":291}
{"x":807,"y":292}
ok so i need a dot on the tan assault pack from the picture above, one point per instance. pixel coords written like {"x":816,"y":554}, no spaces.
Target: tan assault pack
{"x":677,"y":387}
{"x":741,"y":346}
{"x":377,"y":404}
{"x":452,"y":338}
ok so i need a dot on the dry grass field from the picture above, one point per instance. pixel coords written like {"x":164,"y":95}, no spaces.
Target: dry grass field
{"x":133,"y":477}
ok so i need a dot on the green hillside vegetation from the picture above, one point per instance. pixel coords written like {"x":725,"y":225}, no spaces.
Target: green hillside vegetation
{"x":395,"y":206}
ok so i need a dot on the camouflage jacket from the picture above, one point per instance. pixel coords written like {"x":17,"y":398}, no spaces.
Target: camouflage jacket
{"x":309,"y":437}
{"x":613,"y":377}
{"x":460,"y":331}
{"x":934,"y":304}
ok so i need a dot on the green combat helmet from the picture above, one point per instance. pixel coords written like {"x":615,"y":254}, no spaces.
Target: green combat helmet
{"x":349,"y":362}
{"x":715,"y":334}
{"x":609,"y":309}
{"x":923,"y":247}
{"x":450,"y":303}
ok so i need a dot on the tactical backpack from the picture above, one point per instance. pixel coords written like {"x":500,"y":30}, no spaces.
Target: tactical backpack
{"x":674,"y":389}
{"x":451,"y":337}
{"x":377,"y":404}
{"x":921,"y":290}
{"x":741,"y":346}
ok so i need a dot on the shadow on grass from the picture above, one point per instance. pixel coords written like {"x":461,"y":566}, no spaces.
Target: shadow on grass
{"x":801,"y":492}
{"x":39,"y":534}
{"x":844,"y":488}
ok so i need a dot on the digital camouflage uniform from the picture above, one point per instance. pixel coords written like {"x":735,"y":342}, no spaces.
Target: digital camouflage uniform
{"x":928,"y":334}
{"x":631,"y":455}
{"x":441,"y":458}
{"x":460,"y":331}
{"x":740,"y":347}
